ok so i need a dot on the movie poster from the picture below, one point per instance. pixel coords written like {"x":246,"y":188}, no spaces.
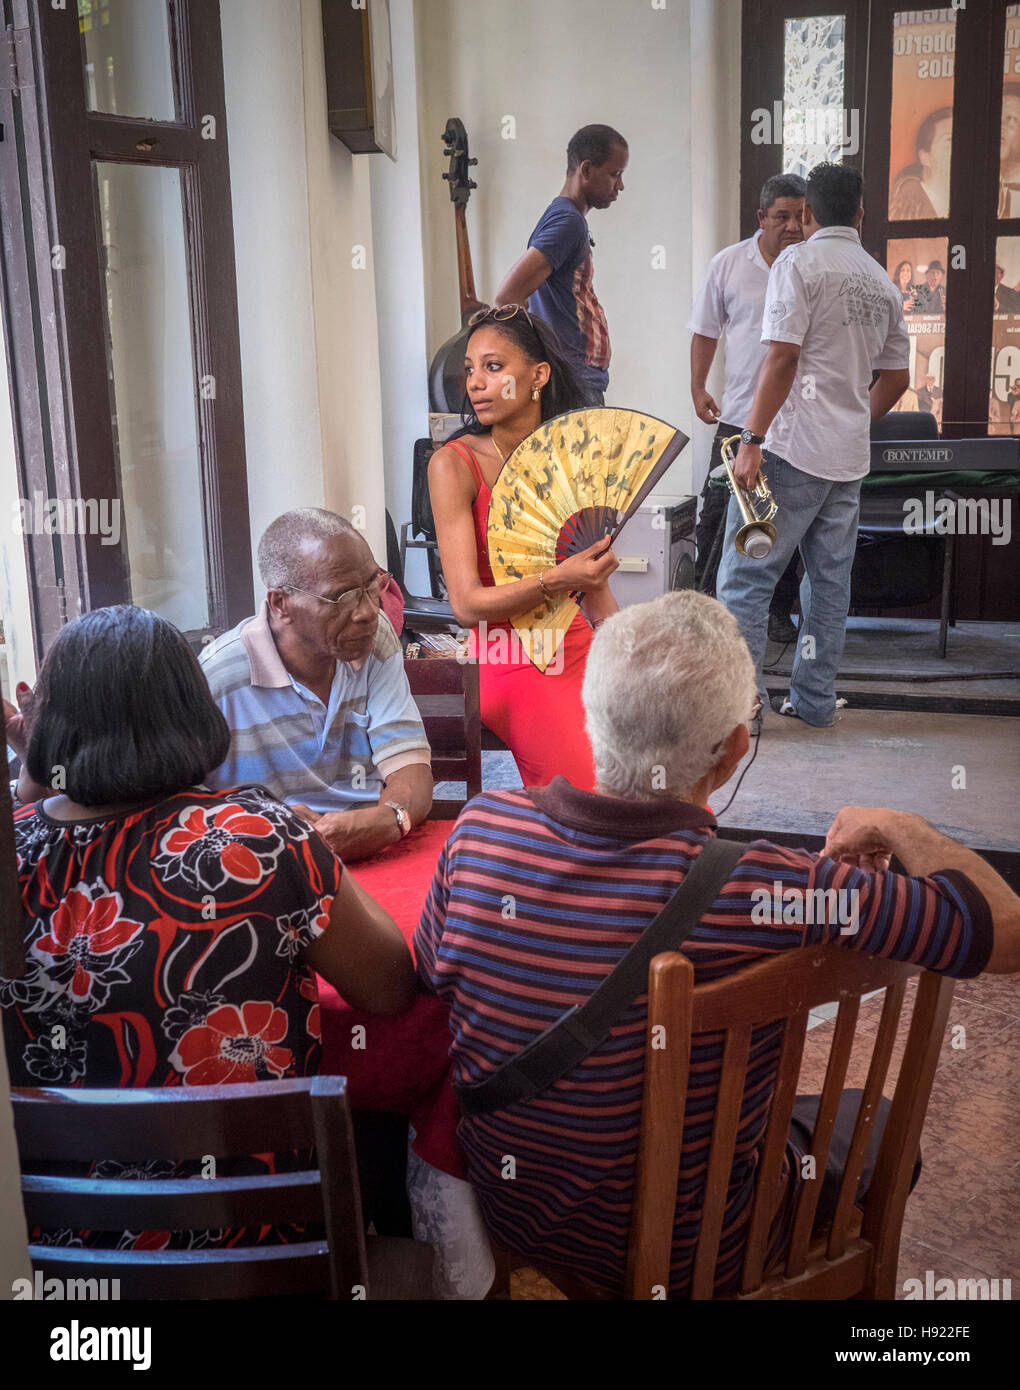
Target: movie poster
{"x":921,"y":135}
{"x":917,"y":267}
{"x":1004,"y":395}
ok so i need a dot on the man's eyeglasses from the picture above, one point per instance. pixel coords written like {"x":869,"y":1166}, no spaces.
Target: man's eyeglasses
{"x":500,"y":315}
{"x":349,"y":601}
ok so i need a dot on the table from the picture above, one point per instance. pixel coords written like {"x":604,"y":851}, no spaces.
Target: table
{"x":399,"y":1064}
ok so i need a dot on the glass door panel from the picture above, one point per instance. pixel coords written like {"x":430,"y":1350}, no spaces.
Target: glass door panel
{"x":816,"y":125}
{"x":1004,"y":395}
{"x":126,"y":57}
{"x":921,"y":128}
{"x":917,"y":267}
{"x":153,"y":388}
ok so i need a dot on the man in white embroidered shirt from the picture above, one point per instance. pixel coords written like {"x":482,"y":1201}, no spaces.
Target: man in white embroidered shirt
{"x":832,"y":317}
{"x":314,"y":691}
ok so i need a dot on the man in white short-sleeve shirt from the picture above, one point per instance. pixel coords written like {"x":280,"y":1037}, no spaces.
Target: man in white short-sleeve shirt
{"x":832,"y":318}
{"x":731,"y":302}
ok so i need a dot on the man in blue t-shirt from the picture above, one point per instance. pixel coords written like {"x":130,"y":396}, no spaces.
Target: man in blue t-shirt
{"x":554,"y":276}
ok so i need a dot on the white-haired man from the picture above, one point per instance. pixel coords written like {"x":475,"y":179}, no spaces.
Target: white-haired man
{"x":314,"y":691}
{"x":539,"y":893}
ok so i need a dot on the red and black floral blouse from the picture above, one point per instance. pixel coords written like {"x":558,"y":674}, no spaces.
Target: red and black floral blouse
{"x":164,"y":949}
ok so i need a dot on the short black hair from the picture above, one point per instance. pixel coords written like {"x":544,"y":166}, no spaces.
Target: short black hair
{"x":834,"y":193}
{"x":926,"y":130}
{"x":781,"y":186}
{"x":593,"y":142}
{"x":123,"y":711}
{"x":539,"y":343}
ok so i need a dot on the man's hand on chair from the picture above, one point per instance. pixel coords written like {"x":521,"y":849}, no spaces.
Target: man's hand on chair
{"x":860,"y":836}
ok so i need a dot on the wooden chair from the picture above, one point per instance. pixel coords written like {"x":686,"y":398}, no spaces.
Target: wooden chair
{"x":59,"y":1126}
{"x":856,"y":1256}
{"x":445,"y":690}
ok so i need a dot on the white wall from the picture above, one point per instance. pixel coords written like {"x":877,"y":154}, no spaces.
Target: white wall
{"x":715,"y":174}
{"x":263,"y":80}
{"x":343,"y":301}
{"x":654,"y":73}
{"x":400,"y":288}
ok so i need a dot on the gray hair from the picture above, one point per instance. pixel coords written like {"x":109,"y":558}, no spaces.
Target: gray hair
{"x":666,"y":683}
{"x":281,"y":563}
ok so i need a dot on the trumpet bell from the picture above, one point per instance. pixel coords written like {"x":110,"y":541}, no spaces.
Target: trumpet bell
{"x":756,"y":539}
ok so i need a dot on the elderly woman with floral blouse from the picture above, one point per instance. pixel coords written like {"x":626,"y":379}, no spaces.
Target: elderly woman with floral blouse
{"x":172,"y":933}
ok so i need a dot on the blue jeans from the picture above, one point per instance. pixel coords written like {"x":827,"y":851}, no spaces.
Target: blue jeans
{"x":820,"y":517}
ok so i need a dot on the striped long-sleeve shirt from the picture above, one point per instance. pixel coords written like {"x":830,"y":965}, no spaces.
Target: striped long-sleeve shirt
{"x":537,"y":895}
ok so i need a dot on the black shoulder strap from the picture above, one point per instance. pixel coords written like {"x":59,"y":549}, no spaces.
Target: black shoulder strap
{"x":572,"y":1038}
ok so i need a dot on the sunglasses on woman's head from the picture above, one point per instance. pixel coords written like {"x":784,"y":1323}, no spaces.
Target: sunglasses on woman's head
{"x":500,"y":315}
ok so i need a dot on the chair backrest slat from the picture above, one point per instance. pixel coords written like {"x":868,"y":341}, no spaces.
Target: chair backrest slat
{"x":825,"y":1124}
{"x":270,"y":1199}
{"x":74,"y":1125}
{"x":768,"y":1191}
{"x":891,"y":1181}
{"x":732,"y":1082}
{"x":877,"y":1072}
{"x":667,"y":1058}
{"x":244,"y":1272}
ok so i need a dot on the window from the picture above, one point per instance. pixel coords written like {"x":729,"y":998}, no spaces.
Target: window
{"x":120,"y":312}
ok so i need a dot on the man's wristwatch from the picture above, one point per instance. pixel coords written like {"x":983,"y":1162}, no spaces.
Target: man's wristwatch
{"x":746,"y":437}
{"x":403,"y":818}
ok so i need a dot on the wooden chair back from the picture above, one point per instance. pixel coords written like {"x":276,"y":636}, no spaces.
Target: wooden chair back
{"x":60,"y":1126}
{"x":856,"y":1257}
{"x":445,"y":690}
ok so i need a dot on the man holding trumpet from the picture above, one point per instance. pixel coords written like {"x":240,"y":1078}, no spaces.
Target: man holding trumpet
{"x":832,"y":317}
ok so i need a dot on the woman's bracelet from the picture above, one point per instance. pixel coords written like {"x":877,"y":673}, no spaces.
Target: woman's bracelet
{"x":541,"y":585}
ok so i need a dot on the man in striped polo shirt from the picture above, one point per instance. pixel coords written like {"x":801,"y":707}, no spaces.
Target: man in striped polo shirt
{"x":314,"y":691}
{"x":539,"y":892}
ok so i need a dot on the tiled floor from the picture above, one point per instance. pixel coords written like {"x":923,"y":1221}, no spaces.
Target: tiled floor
{"x":963,"y":1219}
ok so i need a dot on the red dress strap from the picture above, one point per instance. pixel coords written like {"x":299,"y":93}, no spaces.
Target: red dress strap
{"x":466,"y":453}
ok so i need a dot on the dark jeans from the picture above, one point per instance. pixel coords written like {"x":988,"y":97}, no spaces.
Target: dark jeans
{"x":802,"y":1126}
{"x":711,"y":531}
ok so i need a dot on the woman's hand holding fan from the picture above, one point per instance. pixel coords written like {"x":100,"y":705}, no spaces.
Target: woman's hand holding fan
{"x":564,"y":492}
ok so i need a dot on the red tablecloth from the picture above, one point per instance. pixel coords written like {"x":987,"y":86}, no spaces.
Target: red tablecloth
{"x":399,"y":1064}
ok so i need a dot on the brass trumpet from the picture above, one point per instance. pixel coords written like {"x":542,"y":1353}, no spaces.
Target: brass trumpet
{"x":757,"y":536}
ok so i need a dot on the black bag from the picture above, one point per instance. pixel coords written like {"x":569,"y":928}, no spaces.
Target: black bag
{"x":576,"y":1035}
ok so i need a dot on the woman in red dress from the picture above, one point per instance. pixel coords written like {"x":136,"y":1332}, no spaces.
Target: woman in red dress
{"x":516,"y":378}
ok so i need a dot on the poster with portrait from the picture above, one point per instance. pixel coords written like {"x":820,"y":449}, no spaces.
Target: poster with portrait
{"x":1009,"y":140}
{"x":921,"y":133}
{"x":1004,"y":391}
{"x":917,"y":267}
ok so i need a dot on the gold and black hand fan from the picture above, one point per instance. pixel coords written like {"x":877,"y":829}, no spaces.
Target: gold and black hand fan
{"x":572,"y":482}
